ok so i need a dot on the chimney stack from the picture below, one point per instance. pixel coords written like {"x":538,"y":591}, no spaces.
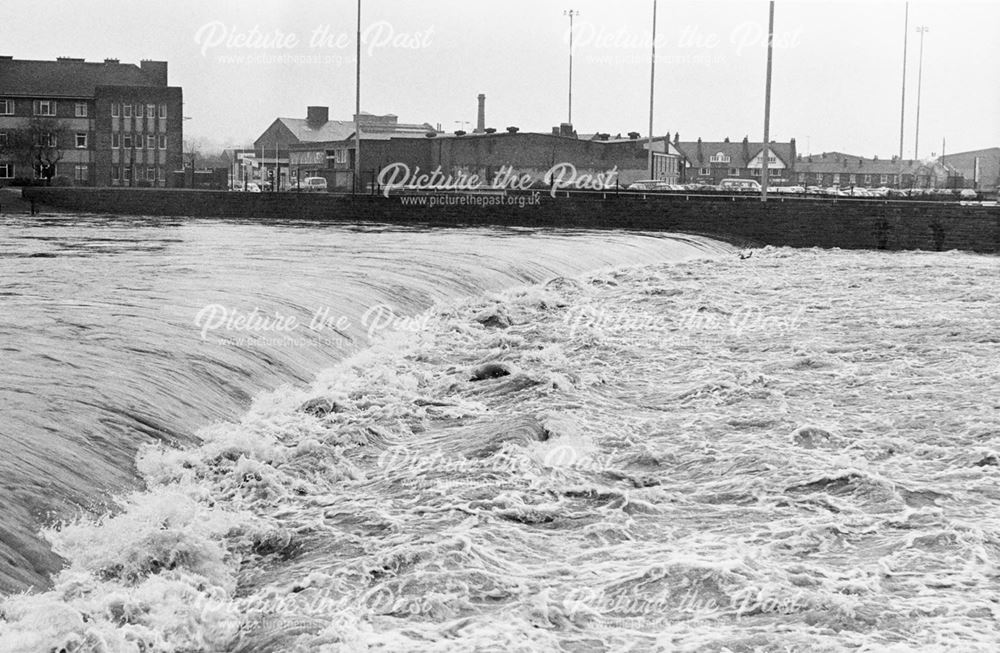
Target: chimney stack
{"x":317,"y":116}
{"x":481,"y":120}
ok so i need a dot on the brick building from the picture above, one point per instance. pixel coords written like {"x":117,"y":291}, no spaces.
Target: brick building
{"x":838,"y":169}
{"x":315,"y":145}
{"x":709,"y":162}
{"x":483,"y":154}
{"x":108,"y":123}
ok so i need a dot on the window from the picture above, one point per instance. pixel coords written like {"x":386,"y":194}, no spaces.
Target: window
{"x":719,"y":157}
{"x":126,"y":173}
{"x":150,"y":173}
{"x":81,"y":140}
{"x":138,"y":111}
{"x":138,"y":141}
{"x":128,"y":141}
{"x":163,"y":110}
{"x":150,"y":110}
{"x":3,"y":138}
{"x":116,"y":140}
{"x":115,"y":109}
{"x":868,"y":179}
{"x":853,"y":179}
{"x":704,"y":171}
{"x":45,"y":108}
{"x":802,"y":177}
{"x":6,"y":107}
{"x":163,"y":141}
{"x":159,"y":172}
{"x":733,"y":172}
{"x":151,"y":142}
{"x":45,"y":140}
{"x":116,"y":172}
{"x":80,"y":173}
{"x":755,"y":172}
{"x":340,"y":156}
{"x":81,"y":109}
{"x":836,"y":178}
{"x":882,"y":179}
{"x":128,"y":110}
{"x":6,"y":170}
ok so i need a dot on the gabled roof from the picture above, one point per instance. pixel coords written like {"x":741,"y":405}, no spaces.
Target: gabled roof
{"x":67,"y":78}
{"x":342,"y":130}
{"x":839,"y":162}
{"x":331,"y":130}
{"x":739,"y":156}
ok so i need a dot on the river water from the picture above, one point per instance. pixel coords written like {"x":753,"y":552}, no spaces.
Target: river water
{"x":492,"y":440}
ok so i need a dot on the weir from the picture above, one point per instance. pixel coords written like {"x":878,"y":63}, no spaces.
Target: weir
{"x":846,"y":223}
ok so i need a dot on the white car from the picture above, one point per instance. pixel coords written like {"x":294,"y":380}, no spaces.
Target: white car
{"x":647,"y":184}
{"x":314,"y":184}
{"x":740,"y":185}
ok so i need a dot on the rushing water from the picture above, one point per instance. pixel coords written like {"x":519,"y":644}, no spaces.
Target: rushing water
{"x":796,"y":451}
{"x":101,"y":352}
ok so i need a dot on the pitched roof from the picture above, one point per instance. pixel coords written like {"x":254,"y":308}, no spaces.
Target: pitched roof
{"x":834,"y":162}
{"x":331,"y":130}
{"x":739,"y":158}
{"x":74,"y":78}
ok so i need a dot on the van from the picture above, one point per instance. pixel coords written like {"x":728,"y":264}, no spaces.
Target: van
{"x":317,"y":184}
{"x":740,"y":185}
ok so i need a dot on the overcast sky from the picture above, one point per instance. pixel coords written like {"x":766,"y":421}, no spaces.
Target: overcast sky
{"x":836,"y":85}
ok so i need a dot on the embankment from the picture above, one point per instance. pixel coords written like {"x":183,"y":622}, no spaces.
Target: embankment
{"x":798,"y":222}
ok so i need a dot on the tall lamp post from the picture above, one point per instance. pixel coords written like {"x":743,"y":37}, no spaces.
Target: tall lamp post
{"x":902,"y":103}
{"x":765,"y":154}
{"x":652,"y":77}
{"x":920,"y":72}
{"x":570,"y":13}
{"x":357,"y":107}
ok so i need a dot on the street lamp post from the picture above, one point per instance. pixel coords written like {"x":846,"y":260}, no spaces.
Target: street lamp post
{"x":357,"y":107}
{"x":462,"y":123}
{"x":902,"y":103}
{"x":652,"y":77}
{"x":570,"y":13}
{"x":765,"y":155}
{"x":920,"y":72}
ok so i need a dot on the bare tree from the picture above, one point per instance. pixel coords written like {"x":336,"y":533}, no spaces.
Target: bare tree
{"x":39,"y":145}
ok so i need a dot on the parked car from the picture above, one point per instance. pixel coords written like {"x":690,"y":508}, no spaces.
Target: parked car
{"x":968,"y":194}
{"x":740,"y":185}
{"x":252,"y":187}
{"x":647,"y":184}
{"x":314,"y":184}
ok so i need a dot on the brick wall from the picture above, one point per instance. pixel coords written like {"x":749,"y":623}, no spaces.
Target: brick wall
{"x":845,"y":223}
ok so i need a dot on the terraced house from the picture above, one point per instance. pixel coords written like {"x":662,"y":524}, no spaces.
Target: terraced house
{"x":89,"y":123}
{"x":851,"y":171}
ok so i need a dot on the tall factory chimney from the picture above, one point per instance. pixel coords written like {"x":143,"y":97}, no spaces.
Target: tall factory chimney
{"x":481,"y":120}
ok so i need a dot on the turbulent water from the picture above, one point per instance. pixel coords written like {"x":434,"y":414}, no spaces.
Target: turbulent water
{"x":796,"y":451}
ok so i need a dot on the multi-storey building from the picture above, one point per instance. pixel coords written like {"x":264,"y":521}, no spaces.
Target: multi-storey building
{"x":107,"y":123}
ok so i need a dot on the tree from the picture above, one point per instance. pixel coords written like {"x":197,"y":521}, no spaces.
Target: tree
{"x":40,"y":145}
